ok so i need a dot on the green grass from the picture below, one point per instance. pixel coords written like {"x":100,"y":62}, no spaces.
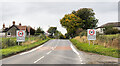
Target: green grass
{"x":96,"y":49}
{"x":16,"y":49}
{"x":26,"y":38}
{"x":12,"y":38}
{"x":112,"y":35}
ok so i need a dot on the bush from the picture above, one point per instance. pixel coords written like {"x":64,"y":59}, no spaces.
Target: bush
{"x":111,"y":30}
{"x":17,"y":49}
{"x":108,"y":40}
{"x":42,"y":36}
{"x":62,"y":36}
{"x":8,"y":42}
{"x":83,"y":33}
{"x":36,"y":34}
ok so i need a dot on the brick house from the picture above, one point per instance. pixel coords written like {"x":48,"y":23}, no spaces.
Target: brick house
{"x":11,"y":31}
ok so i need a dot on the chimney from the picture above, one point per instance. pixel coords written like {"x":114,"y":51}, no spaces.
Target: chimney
{"x":19,"y":24}
{"x":3,"y":25}
{"x":13,"y":22}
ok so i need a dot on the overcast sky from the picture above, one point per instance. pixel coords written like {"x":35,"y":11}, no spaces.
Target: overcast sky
{"x":48,"y":13}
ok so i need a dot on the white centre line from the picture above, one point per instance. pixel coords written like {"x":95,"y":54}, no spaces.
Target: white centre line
{"x":52,"y":48}
{"x":36,"y":48}
{"x":39,"y":59}
{"x":49,"y":52}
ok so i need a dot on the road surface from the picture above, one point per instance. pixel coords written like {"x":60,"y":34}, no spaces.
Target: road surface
{"x":57,"y":51}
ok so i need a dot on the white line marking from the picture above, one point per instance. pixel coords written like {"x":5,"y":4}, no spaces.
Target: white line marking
{"x":39,"y":59}
{"x":49,"y":52}
{"x":82,"y":63}
{"x":77,"y":53}
{"x":34,"y":49}
{"x":52,"y":48}
{"x":74,"y":49}
{"x":31,"y":50}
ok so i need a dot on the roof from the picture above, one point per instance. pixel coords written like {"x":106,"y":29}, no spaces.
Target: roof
{"x":28,"y":28}
{"x":22,"y":27}
{"x":19,"y":27}
{"x":6,"y":29}
{"x":114,"y":24}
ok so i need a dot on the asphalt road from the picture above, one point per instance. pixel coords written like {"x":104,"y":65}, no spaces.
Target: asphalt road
{"x":57,"y":51}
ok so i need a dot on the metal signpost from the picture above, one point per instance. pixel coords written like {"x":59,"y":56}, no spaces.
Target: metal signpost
{"x":91,"y":35}
{"x":20,"y":34}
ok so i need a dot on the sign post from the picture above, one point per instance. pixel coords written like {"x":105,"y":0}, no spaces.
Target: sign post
{"x":91,"y":35}
{"x":20,"y":34}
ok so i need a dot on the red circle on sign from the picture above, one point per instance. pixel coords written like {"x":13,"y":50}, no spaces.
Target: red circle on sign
{"x":91,"y":33}
{"x":19,"y":33}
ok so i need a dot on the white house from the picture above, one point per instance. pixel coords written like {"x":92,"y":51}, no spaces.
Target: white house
{"x":115,"y":25}
{"x":1,"y":33}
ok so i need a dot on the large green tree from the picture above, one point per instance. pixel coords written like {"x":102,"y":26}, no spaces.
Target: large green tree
{"x":82,"y":19}
{"x":88,"y":17}
{"x":71,"y":22}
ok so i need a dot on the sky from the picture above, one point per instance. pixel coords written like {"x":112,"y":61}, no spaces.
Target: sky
{"x":47,"y":13}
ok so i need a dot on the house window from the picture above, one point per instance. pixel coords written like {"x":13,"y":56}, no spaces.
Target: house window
{"x":9,"y":34}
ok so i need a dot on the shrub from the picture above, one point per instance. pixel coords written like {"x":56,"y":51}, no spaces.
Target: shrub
{"x":83,"y":33}
{"x":36,"y":34}
{"x":110,"y":30}
{"x":62,"y":36}
{"x":108,"y":40}
{"x":8,"y":42}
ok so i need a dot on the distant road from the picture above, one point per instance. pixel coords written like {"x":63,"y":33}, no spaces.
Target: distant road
{"x":57,"y":52}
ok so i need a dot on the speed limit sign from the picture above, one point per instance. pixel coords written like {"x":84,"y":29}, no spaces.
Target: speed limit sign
{"x":91,"y":34}
{"x":20,"y":34}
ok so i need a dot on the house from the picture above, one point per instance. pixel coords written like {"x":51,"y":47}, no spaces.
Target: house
{"x":115,"y":25}
{"x":1,"y":34}
{"x":11,"y":31}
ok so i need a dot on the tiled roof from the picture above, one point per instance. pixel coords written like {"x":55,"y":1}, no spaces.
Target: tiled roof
{"x":22,"y":27}
{"x":19,"y":27}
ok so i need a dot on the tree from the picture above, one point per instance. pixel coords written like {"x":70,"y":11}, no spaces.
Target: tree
{"x":71,"y":22}
{"x":56,"y":34}
{"x":87,"y":15}
{"x":82,"y":19}
{"x":52,"y":30}
{"x":67,"y":35}
{"x":59,"y":35}
{"x":39,"y":31}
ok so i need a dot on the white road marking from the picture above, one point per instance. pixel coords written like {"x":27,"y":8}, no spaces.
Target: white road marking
{"x":34,"y":49}
{"x":39,"y":59}
{"x":49,"y":52}
{"x":74,"y":49}
{"x":31,"y":50}
{"x":77,"y":53}
{"x":52,"y":48}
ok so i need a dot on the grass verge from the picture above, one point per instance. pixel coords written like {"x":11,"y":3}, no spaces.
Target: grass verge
{"x":17,"y":49}
{"x":96,"y":49}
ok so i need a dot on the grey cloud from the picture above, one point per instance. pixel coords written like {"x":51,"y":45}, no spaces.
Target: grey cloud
{"x":49,"y":13}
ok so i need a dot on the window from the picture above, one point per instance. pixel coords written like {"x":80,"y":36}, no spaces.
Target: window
{"x":8,"y":33}
{"x":101,"y":29}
